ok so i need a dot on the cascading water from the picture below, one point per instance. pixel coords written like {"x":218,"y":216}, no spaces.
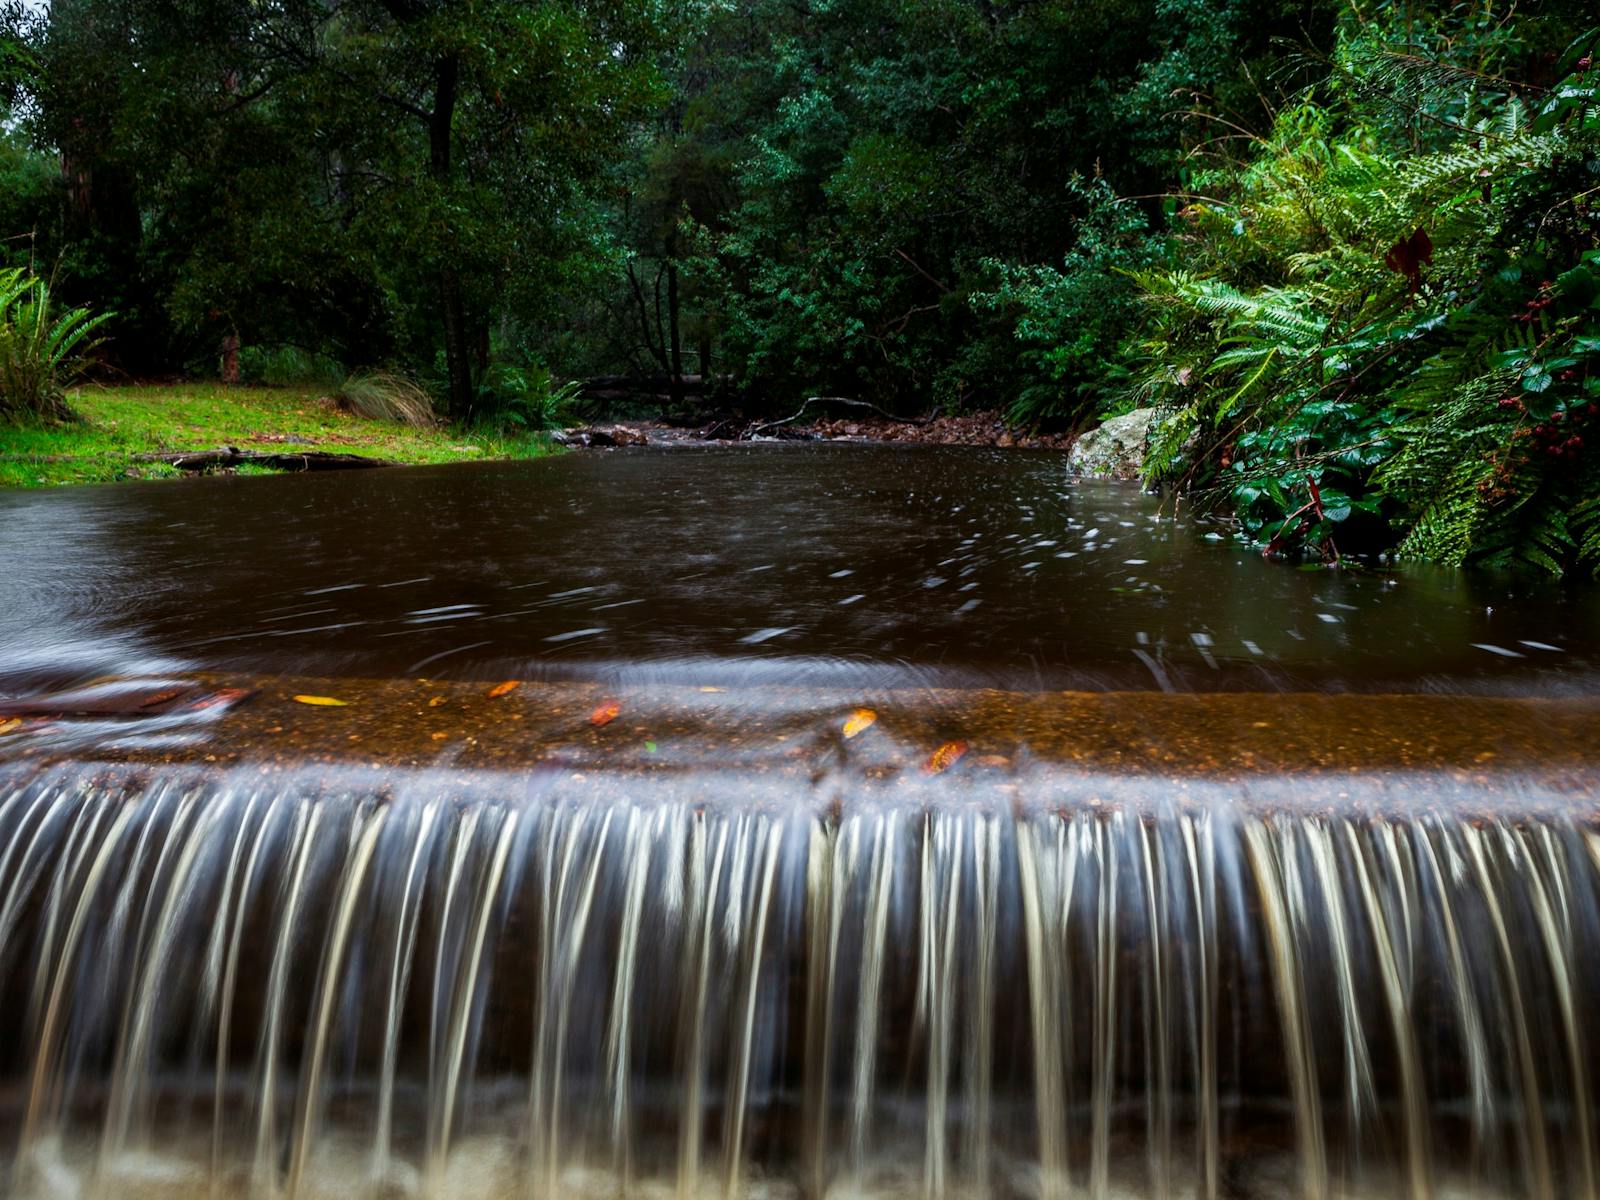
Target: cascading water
{"x":221,"y":984}
{"x":1253,"y":883}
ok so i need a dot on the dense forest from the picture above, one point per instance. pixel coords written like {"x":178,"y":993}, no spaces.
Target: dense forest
{"x":1348,"y":249}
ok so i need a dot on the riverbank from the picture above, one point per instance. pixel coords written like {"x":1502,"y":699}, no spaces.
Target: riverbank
{"x":121,"y":424}
{"x":987,"y":428}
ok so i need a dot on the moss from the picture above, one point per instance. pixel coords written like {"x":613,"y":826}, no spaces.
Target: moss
{"x":118,"y":423}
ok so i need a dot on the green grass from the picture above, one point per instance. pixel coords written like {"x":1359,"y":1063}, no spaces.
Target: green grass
{"x":120,"y":422}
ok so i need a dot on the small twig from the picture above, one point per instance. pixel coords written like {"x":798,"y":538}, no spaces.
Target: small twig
{"x":920,"y":270}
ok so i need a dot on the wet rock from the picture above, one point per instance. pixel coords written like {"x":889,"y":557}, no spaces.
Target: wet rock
{"x":970,"y":429}
{"x":1116,"y":450}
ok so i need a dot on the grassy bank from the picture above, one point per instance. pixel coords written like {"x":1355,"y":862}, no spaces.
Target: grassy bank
{"x":119,"y":423}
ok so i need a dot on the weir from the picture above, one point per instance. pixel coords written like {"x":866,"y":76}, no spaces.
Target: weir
{"x":914,"y":826}
{"x":1032,"y":977}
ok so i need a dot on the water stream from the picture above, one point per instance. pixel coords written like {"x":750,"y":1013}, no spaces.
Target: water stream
{"x":332,"y":987}
{"x":768,"y":969}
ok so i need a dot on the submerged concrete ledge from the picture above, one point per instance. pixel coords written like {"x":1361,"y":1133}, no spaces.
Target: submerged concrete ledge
{"x":939,"y":743}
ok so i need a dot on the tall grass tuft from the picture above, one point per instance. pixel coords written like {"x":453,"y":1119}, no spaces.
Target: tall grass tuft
{"x":42,"y":352}
{"x":385,"y":396}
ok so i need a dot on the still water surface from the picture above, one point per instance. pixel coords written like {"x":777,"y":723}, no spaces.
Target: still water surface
{"x":824,"y":564}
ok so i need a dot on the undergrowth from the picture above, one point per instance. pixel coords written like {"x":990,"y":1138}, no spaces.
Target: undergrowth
{"x":1384,"y":326}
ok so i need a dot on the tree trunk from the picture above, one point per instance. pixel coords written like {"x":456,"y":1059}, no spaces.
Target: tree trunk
{"x":457,"y":340}
{"x":457,"y":354}
{"x":676,"y":369}
{"x":230,"y":358}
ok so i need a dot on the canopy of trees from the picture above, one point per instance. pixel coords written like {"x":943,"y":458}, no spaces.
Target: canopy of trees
{"x":1350,"y":248}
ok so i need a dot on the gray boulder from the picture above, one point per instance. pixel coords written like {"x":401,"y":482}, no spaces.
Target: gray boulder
{"x":1115,"y":450}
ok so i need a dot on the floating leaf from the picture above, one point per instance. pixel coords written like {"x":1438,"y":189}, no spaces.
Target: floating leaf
{"x":945,"y":757}
{"x":860,"y":721}
{"x":321,"y":701}
{"x":501,"y":689}
{"x":6,"y":726}
{"x":650,"y":747}
{"x":435,"y":702}
{"x":711,"y":689}
{"x":605,"y":714}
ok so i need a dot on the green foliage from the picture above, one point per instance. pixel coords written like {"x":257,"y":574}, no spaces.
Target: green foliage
{"x":29,"y":200}
{"x":891,"y":176}
{"x":1070,"y":320}
{"x":42,"y":349}
{"x":1358,"y":273}
{"x":368,"y":181}
{"x":1388,"y":308}
{"x":289,"y":366}
{"x":516,"y":399}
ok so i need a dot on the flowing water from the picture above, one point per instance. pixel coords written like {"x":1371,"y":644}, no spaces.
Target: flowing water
{"x":847,"y":566}
{"x":1254,"y":944}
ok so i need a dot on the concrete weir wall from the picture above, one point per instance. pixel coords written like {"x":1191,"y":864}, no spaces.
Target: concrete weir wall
{"x":1104,"y":950}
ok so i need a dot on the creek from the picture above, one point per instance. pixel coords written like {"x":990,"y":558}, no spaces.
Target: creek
{"x":1151,"y":870}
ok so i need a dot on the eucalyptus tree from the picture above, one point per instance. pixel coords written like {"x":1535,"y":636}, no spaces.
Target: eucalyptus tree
{"x":391,"y":170}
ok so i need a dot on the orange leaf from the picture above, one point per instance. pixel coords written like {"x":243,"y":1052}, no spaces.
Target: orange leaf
{"x":945,"y":757}
{"x":860,"y":721}
{"x":435,"y":702}
{"x":8,"y":726}
{"x":500,"y":689}
{"x":321,"y":701}
{"x":605,"y":714}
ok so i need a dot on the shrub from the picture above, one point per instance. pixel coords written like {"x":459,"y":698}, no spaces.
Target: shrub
{"x":385,"y":396}
{"x":1403,"y":338}
{"x":42,"y":352}
{"x":525,"y":399}
{"x":1069,"y":320}
{"x":290,"y":366}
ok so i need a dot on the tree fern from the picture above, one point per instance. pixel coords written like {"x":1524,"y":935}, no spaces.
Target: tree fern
{"x":41,"y":350}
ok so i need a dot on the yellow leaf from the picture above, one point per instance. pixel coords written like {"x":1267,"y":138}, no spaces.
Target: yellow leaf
{"x":945,"y":757}
{"x":711,"y":689}
{"x":7,"y":726}
{"x":860,"y":721}
{"x":500,"y":689}
{"x":321,"y":701}
{"x":435,"y":702}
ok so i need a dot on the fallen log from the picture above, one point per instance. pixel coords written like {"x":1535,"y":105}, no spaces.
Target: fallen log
{"x":232,"y":456}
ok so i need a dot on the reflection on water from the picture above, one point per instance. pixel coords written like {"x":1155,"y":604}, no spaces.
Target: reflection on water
{"x":858,"y":565}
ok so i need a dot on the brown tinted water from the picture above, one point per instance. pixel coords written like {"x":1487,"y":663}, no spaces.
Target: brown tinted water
{"x":1159,"y":871}
{"x":827,"y":564}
